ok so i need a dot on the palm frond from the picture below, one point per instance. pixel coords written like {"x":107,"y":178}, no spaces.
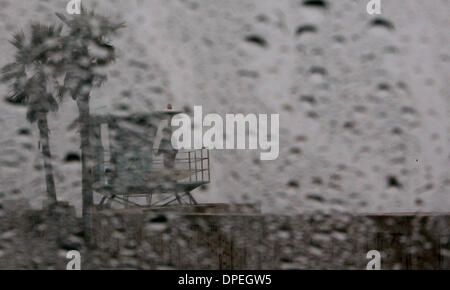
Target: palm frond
{"x":88,"y":51}
{"x":16,"y":98}
{"x":18,"y":40}
{"x":32,"y":115}
{"x":12,"y":71}
{"x":32,"y":75}
{"x":84,"y":20}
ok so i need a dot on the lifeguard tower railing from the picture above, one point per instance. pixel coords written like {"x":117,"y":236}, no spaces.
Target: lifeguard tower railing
{"x":193,"y":162}
{"x":165,"y":186}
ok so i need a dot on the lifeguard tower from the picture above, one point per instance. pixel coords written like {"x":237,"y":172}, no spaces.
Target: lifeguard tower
{"x":128,"y":169}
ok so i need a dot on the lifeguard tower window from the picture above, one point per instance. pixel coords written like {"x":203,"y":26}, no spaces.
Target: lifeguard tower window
{"x":129,"y":170}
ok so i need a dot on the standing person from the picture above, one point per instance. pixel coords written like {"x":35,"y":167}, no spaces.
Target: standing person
{"x":167,"y":149}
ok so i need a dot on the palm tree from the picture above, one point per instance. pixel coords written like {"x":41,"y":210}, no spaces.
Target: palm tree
{"x":88,"y":51}
{"x":33,"y":82}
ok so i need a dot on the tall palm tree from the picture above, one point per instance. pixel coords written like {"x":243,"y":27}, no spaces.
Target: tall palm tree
{"x":33,"y":82}
{"x":88,"y":51}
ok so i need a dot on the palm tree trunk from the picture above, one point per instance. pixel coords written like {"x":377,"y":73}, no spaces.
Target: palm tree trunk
{"x":50,"y":182}
{"x":87,"y":194}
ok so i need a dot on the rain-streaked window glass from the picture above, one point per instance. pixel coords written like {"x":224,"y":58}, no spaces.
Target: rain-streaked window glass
{"x":211,"y":134}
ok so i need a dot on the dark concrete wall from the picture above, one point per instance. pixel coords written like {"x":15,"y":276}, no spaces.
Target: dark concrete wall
{"x":38,"y":240}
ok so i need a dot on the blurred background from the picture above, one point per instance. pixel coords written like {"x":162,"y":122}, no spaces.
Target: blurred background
{"x":364,"y":100}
